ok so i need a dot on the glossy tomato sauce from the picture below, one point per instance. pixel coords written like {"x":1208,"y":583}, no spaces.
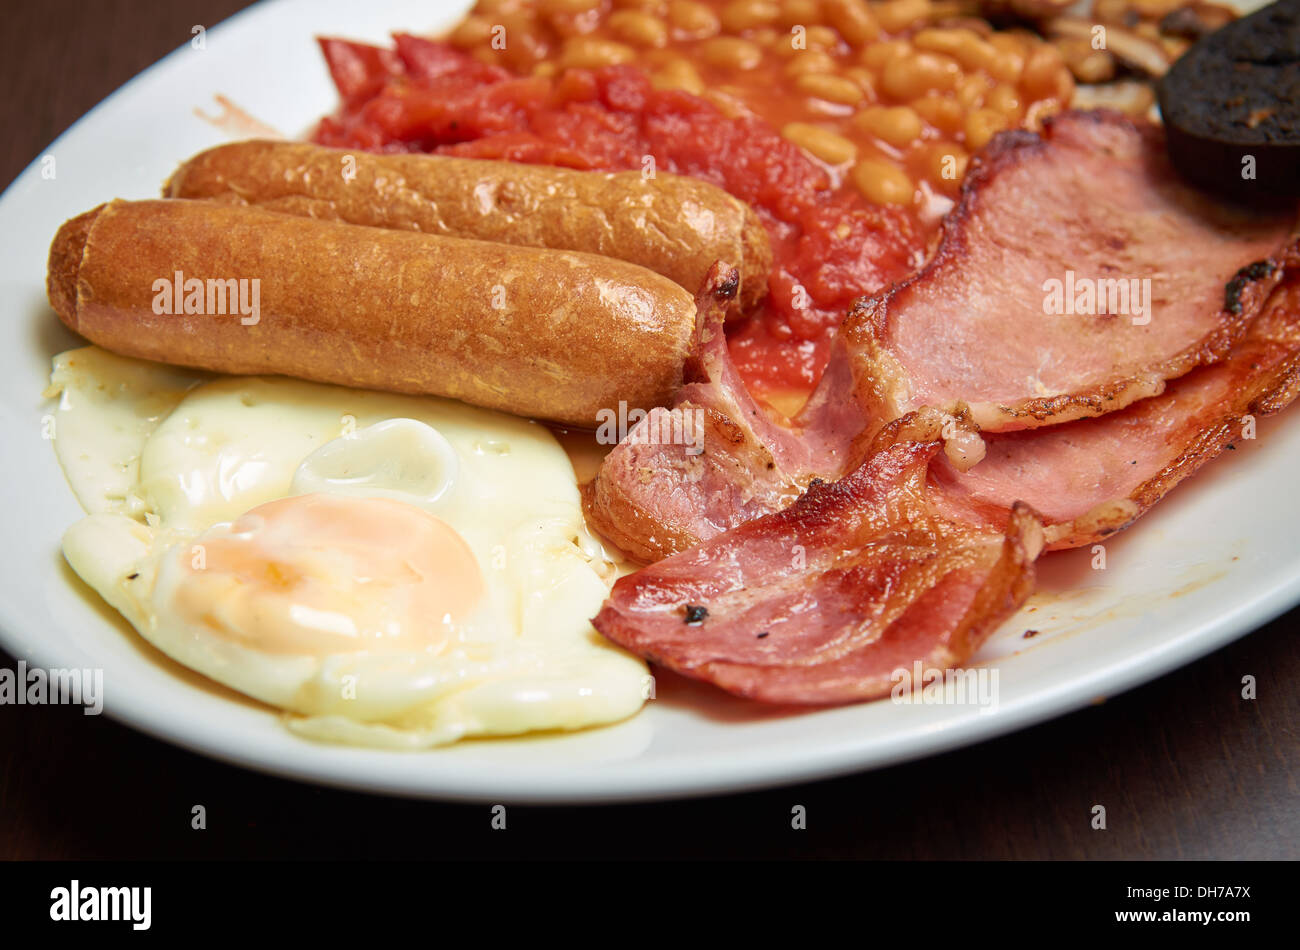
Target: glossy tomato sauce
{"x":831,"y":245}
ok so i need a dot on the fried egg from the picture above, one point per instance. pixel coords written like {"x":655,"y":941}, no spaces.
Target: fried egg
{"x":388,"y":570}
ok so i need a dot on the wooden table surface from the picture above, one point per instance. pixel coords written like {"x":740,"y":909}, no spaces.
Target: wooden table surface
{"x":1185,"y":767}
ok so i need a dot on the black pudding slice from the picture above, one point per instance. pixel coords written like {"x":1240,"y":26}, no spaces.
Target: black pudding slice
{"x":1231,"y":107}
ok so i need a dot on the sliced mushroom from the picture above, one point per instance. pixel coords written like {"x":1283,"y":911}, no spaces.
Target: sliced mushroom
{"x":1087,"y":64}
{"x":1136,"y":52}
{"x":1155,"y":9}
{"x":1131,"y":96}
{"x":1115,"y":11}
{"x":1174,"y":46}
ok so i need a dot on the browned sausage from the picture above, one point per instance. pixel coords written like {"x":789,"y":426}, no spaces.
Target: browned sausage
{"x":673,"y":225}
{"x":557,"y":335}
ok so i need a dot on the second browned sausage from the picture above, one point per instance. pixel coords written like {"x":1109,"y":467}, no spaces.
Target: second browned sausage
{"x":673,"y":225}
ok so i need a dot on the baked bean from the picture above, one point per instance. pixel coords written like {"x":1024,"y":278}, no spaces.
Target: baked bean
{"x":731,"y":52}
{"x":585,"y":52}
{"x":945,"y":40}
{"x":949,"y":78}
{"x":981,"y":28}
{"x":785,"y":45}
{"x":1007,"y":66}
{"x":830,"y":87}
{"x":808,"y":62}
{"x":895,"y":15}
{"x":945,"y":166}
{"x":1042,"y":76}
{"x":1087,"y":64}
{"x":942,"y":112}
{"x":853,"y":20}
{"x":567,"y":27}
{"x":800,"y":12}
{"x":523,"y":22}
{"x":567,"y":7}
{"x":898,"y":125}
{"x":474,"y":30}
{"x":828,"y":146}
{"x":680,"y":75}
{"x":975,"y":53}
{"x":1005,"y":99}
{"x":654,"y":58}
{"x":882,"y":182}
{"x":970,"y":51}
{"x":878,"y":55}
{"x":1009,"y":42}
{"x":862,"y":76}
{"x":910,"y":77}
{"x":982,"y":125}
{"x":694,"y":21}
{"x":494,"y":8}
{"x":638,"y":28}
{"x":524,"y":43}
{"x":742,"y":15}
{"x":1011,"y":51}
{"x":971,"y":91}
{"x":1064,"y":87}
{"x":822,"y":37}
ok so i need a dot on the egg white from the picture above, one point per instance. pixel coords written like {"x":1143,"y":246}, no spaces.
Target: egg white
{"x":163,"y":458}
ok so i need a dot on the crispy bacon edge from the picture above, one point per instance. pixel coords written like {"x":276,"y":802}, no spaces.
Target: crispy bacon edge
{"x":823,"y":602}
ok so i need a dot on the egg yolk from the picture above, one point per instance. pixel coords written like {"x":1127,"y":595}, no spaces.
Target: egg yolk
{"x":320,"y":574}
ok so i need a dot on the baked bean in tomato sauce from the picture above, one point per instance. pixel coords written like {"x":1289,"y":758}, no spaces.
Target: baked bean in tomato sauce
{"x":846,"y":124}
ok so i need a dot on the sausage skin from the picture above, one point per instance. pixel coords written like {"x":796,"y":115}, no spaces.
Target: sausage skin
{"x":556,"y":335}
{"x":673,"y":225}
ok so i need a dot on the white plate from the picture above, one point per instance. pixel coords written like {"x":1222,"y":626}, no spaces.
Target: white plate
{"x":1214,"y":561}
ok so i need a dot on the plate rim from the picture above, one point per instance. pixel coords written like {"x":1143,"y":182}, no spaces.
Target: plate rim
{"x":624,"y":781}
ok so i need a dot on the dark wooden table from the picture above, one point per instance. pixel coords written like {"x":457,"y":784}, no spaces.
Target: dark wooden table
{"x":1184,"y":766}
